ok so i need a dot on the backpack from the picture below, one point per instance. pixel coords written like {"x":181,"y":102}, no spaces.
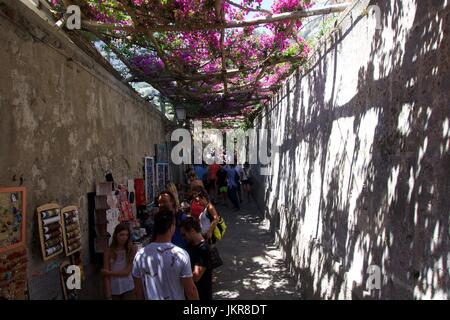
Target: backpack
{"x":220,"y":229}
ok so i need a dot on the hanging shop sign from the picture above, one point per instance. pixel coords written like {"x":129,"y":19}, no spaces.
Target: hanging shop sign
{"x":139,"y":186}
{"x":126,"y":210}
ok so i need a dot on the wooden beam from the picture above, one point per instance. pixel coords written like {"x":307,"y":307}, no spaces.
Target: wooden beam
{"x":237,"y":5}
{"x":294,"y":15}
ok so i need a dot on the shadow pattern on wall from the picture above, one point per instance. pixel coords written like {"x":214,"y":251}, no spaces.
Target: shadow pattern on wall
{"x":366,"y":182}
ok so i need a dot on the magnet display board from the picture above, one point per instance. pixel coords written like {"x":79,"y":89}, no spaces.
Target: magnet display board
{"x":50,"y":230}
{"x":12,"y":218}
{"x":13,"y":274}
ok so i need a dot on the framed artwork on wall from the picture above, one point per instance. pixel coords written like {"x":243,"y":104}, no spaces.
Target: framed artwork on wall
{"x":12,"y":218}
{"x":167,"y":174}
{"x":161,"y":176}
{"x":161,"y":152}
{"x":150,"y":179}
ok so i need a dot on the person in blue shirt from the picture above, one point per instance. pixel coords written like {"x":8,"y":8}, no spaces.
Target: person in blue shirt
{"x":232,"y":185}
{"x":167,"y":200}
{"x":201,"y":170}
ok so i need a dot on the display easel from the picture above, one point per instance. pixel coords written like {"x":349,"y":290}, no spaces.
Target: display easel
{"x":68,"y":294}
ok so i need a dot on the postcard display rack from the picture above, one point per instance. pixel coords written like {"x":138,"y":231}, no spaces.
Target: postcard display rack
{"x":71,"y":229}
{"x":59,"y":230}
{"x":106,"y":215}
{"x":50,"y":230}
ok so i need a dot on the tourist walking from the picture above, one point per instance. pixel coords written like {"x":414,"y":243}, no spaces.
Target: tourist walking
{"x":117,"y":265}
{"x":247,"y":181}
{"x":161,"y":270}
{"x":170,"y":186}
{"x":232,"y":186}
{"x":240,"y":172}
{"x":200,"y":256}
{"x":167,"y":200}
{"x":212,"y":181}
{"x":208,"y":218}
{"x":222,"y":184}
{"x":194,"y":181}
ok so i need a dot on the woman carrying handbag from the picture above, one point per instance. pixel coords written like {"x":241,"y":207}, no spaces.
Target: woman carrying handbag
{"x":208,"y":219}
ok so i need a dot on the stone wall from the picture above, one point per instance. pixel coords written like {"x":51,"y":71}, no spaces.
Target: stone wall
{"x":64,"y":120}
{"x":363,"y":173}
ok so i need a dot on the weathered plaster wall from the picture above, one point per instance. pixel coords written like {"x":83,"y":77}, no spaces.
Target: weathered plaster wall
{"x":64,"y":120}
{"x":363,"y":173}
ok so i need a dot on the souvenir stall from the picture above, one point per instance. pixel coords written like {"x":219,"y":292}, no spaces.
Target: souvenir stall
{"x":115,"y":205}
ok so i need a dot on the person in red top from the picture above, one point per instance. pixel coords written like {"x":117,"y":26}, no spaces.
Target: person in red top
{"x":212,"y":181}
{"x":197,"y":207}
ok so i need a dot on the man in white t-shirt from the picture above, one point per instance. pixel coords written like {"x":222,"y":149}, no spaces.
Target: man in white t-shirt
{"x":161,"y":270}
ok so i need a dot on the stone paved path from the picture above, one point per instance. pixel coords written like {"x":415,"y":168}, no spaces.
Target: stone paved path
{"x":253,"y":267}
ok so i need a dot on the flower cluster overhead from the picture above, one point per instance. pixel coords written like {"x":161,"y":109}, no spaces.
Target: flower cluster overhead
{"x":197,"y":51}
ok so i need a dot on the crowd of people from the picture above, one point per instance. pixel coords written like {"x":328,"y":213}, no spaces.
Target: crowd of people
{"x":178,"y":263}
{"x":225,"y":183}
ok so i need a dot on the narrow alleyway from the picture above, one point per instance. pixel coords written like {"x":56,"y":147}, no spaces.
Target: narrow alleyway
{"x":253,"y":266}
{"x":335,"y":112}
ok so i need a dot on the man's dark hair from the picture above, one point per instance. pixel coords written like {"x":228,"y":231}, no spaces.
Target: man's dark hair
{"x":192,"y":174}
{"x":190,"y":223}
{"x":198,"y":188}
{"x":163,"y":220}
{"x":171,"y":196}
{"x":203,"y":194}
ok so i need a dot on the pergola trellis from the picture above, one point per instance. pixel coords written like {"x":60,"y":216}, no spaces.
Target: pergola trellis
{"x":206,"y":54}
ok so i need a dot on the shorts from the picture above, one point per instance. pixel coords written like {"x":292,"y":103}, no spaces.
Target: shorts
{"x":129,"y":295}
{"x":246,"y":182}
{"x":223,"y":189}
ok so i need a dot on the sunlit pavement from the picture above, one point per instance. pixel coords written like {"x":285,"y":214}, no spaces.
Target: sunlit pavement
{"x":253,"y":267}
